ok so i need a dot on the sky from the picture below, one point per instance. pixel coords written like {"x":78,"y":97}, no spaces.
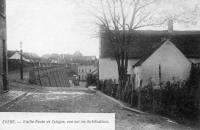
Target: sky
{"x":58,"y":26}
{"x":49,"y":26}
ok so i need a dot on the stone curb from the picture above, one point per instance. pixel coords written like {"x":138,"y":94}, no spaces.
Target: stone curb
{"x":118,"y":102}
{"x":125,"y":107}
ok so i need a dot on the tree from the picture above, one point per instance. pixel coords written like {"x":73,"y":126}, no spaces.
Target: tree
{"x":120,"y":18}
{"x":77,"y":54}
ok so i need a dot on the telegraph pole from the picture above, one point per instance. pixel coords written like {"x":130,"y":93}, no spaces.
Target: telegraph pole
{"x":5,"y":67}
{"x":21,"y":62}
{"x":4,"y":40}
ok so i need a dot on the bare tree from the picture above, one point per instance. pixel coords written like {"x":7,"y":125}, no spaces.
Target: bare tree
{"x":119,"y":19}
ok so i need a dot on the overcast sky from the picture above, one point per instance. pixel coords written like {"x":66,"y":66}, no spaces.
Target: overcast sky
{"x":54,"y":26}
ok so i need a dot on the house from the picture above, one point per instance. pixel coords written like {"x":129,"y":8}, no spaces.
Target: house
{"x":17,"y":56}
{"x":167,"y":52}
{"x":3,"y":49}
{"x":164,"y":63}
{"x":84,"y":70}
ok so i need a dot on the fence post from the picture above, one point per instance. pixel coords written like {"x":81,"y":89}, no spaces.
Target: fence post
{"x":154,"y":101}
{"x":159,"y":75}
{"x":48,"y":76}
{"x":53,"y":73}
{"x":38,"y":77}
{"x":132,"y":89}
{"x":58,"y":77}
{"x":139,"y":95}
{"x":62,"y":75}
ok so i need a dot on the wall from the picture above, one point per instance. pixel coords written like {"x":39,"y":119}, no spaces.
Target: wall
{"x":108,"y":68}
{"x":174,"y":65}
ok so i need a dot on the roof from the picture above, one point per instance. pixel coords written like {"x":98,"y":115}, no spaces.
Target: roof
{"x":143,"y":41}
{"x":16,"y":56}
{"x":10,"y":53}
{"x":29,"y":56}
{"x":149,"y":54}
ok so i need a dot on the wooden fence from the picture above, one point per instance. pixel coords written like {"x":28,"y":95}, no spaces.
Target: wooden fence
{"x":56,"y":76}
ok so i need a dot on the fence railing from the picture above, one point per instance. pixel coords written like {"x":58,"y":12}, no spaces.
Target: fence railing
{"x":57,"y":76}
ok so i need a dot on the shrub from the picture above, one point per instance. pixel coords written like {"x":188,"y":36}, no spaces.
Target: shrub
{"x":108,"y":87}
{"x":91,"y":80}
{"x":171,"y":99}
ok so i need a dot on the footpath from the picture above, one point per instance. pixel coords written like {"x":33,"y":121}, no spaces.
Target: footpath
{"x":20,"y":88}
{"x":17,"y":90}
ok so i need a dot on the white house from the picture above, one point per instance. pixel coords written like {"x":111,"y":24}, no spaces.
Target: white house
{"x":84,"y":70}
{"x":174,"y":56}
{"x":165,"y":63}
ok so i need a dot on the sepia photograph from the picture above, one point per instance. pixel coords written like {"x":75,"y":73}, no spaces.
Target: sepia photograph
{"x":100,"y":64}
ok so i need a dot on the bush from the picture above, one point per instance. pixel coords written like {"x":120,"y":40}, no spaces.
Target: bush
{"x":173,"y":99}
{"x":91,"y":80}
{"x":108,"y":87}
{"x":176,"y":99}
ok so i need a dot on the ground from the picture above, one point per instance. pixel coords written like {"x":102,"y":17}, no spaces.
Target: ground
{"x":82,"y":100}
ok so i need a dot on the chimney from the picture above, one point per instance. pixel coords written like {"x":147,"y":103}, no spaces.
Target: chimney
{"x":101,"y":40}
{"x":170,"y":26}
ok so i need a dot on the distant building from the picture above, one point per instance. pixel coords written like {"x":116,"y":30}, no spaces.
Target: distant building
{"x":84,"y":70}
{"x":3,"y":49}
{"x":16,"y":56}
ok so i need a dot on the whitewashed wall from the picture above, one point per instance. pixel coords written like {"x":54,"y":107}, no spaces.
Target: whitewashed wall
{"x":108,"y":68}
{"x":174,"y":65}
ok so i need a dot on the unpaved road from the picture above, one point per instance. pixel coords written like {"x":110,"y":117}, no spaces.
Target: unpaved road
{"x":85,"y":101}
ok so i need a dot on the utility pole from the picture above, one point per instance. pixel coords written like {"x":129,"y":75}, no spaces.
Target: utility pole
{"x":3,"y":29}
{"x":5,"y":67}
{"x":21,"y":62}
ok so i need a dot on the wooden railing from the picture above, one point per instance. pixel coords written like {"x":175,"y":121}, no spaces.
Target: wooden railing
{"x":54,"y":76}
